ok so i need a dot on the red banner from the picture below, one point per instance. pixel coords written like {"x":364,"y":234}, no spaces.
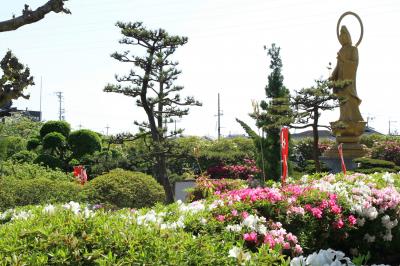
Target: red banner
{"x":340,"y":148}
{"x":284,"y":153}
{"x":80,"y":174}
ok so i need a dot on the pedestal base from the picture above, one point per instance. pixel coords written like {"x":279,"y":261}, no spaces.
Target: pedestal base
{"x":350,"y":151}
{"x":335,"y":164}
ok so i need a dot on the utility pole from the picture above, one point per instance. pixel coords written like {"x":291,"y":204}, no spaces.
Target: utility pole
{"x":40,"y":101}
{"x":107,"y":127}
{"x":329,"y":67}
{"x":369,"y":118}
{"x":61,"y":111}
{"x":219,"y":114}
{"x":391,"y":121}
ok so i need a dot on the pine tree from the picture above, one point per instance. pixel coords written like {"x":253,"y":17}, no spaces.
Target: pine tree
{"x":275,"y":112}
{"x":308,"y":102}
{"x":15,"y":79}
{"x":151,"y":82}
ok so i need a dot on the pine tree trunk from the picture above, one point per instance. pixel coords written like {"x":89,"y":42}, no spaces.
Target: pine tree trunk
{"x":162,"y":178}
{"x":316,"y":140}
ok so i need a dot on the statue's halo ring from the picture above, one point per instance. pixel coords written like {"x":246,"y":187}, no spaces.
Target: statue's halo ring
{"x":359,"y":20}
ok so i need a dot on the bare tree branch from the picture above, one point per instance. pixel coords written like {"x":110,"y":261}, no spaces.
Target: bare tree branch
{"x":28,"y":16}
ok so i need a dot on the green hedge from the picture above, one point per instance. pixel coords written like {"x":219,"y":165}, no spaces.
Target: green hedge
{"x":368,"y":163}
{"x":120,"y":189}
{"x":24,"y":170}
{"x":14,"y":192}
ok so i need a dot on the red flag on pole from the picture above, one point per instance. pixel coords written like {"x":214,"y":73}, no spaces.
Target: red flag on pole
{"x":340,"y":148}
{"x":284,"y":152}
{"x":80,"y":174}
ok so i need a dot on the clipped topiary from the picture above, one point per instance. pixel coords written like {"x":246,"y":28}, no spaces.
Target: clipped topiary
{"x":61,"y":127}
{"x":54,"y":140}
{"x":49,"y":160}
{"x":124,"y":189}
{"x":83,"y":142}
{"x":32,"y":144}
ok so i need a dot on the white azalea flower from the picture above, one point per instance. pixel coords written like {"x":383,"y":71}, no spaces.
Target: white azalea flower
{"x":50,"y":209}
{"x":234,"y":228}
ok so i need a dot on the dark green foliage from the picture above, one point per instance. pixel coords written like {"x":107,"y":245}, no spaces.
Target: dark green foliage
{"x":36,"y":191}
{"x":309,"y":167}
{"x":83,"y":142}
{"x":11,"y":145}
{"x":373,"y":163}
{"x":120,"y":188}
{"x":15,"y":79}
{"x":53,"y":141}
{"x":21,"y":171}
{"x":18,"y":125}
{"x":24,"y":157}
{"x":61,"y":127}
{"x":32,"y":144}
{"x":49,"y":161}
{"x":260,"y":143}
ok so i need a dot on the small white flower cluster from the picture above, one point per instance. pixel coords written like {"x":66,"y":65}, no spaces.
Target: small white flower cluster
{"x":158,"y":219}
{"x":216,"y":203}
{"x":240,"y":255}
{"x":75,"y":207}
{"x":327,"y":257}
{"x":388,"y":178}
{"x":389,"y":225}
{"x":253,"y":222}
{"x":24,"y":215}
{"x":192,"y":208}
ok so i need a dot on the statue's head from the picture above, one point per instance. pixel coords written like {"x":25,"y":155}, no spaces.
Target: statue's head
{"x":344,"y":36}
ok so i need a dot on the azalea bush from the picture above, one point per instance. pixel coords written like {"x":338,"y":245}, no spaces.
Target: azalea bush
{"x":296,"y":224}
{"x":246,"y":170}
{"x":206,"y":187}
{"x":388,"y":150}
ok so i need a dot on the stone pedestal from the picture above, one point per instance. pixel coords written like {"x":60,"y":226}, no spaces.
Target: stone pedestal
{"x":348,"y":134}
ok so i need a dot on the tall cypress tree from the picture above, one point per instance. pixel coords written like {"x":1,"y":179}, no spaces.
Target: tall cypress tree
{"x":275,"y":112}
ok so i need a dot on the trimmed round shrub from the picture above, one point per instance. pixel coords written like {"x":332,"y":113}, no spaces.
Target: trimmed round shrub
{"x":124,"y":189}
{"x":49,"y":160}
{"x":32,"y":144}
{"x":37,"y":191}
{"x":24,"y":157}
{"x":61,"y":127}
{"x":83,"y":142}
{"x":53,"y":140}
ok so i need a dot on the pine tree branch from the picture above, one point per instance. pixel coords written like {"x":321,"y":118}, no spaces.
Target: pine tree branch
{"x":28,"y":16}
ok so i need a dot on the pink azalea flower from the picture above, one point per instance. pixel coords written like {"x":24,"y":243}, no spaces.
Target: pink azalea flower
{"x":298,"y":250}
{"x":221,"y":218}
{"x":352,"y":220}
{"x":338,"y":224}
{"x":251,"y":237}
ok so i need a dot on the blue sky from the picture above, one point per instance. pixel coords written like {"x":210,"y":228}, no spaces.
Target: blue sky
{"x":224,"y":54}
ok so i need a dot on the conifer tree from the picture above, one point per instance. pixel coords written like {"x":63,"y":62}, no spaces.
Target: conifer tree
{"x":275,"y":112}
{"x":151,"y":82}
